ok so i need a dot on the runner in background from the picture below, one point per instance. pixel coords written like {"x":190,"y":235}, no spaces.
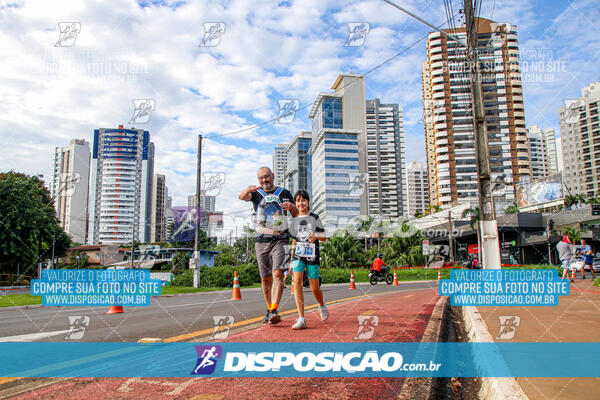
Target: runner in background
{"x":564,"y":254}
{"x":587,"y":256}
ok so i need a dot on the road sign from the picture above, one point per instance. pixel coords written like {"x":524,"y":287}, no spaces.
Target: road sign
{"x":595,"y":209}
{"x":425,"y":245}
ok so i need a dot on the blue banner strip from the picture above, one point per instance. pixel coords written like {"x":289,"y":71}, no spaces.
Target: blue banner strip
{"x":216,"y":359}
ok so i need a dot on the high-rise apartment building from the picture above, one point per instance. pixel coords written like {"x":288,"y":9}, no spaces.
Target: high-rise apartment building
{"x":537,"y":152}
{"x":169,"y":216}
{"x":416,"y":185}
{"x":298,"y":173}
{"x":159,"y":190}
{"x":279,"y":164}
{"x":385,"y":160}
{"x":69,"y":188}
{"x":207,"y":203}
{"x":449,"y":120}
{"x":121,"y":186}
{"x":559,"y":155}
{"x":580,"y":136}
{"x":338,"y":149}
{"x":430,"y":138}
{"x":551,"y":150}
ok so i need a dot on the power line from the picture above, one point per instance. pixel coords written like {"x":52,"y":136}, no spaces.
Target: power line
{"x":349,"y":83}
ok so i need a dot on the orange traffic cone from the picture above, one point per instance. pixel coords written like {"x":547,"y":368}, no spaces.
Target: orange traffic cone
{"x":439,"y":274}
{"x":395,"y":278}
{"x":352,"y":284}
{"x":115,"y":310}
{"x":292,"y":291}
{"x":573,"y":274}
{"x":237,"y":294}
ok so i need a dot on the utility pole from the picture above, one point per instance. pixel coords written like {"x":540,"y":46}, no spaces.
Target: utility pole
{"x":53,"y":240}
{"x":488,"y":224}
{"x":490,"y":246}
{"x":450,"y":237}
{"x":195,"y":261}
{"x":132,"y":240}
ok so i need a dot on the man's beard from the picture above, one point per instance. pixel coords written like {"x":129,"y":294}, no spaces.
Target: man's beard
{"x":268,"y":186}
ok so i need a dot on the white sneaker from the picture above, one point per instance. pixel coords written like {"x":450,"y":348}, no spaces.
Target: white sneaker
{"x":324,"y":312}
{"x":300,"y":324}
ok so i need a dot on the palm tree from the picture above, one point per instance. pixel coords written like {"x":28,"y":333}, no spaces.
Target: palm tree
{"x":512,"y":209}
{"x":432,"y":208}
{"x":574,"y":234}
{"x":474,"y":215}
{"x":340,"y":250}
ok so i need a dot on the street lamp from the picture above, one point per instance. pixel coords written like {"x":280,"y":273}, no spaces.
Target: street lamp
{"x":77,"y":257}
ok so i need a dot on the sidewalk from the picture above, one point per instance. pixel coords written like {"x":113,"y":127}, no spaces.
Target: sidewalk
{"x":575,"y":319}
{"x":402,"y":317}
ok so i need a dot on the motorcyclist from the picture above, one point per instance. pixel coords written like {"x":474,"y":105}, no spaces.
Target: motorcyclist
{"x":379,"y":267}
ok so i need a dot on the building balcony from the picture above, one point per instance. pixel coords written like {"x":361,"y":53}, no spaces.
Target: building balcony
{"x":438,"y":71}
{"x":444,"y":157}
{"x":519,"y":114}
{"x":438,"y":87}
{"x":437,"y":79}
{"x":436,"y":57}
{"x":441,"y":149}
{"x":433,"y":43}
{"x":522,"y":146}
{"x":440,"y":125}
{"x":441,"y":134}
{"x":439,"y":95}
{"x":441,"y":142}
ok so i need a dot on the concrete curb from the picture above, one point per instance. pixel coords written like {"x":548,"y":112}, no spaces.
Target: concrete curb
{"x":16,"y":308}
{"x":491,"y":388}
{"x":422,"y":388}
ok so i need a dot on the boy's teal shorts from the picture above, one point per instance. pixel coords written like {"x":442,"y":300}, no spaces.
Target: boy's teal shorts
{"x":312,"y":270}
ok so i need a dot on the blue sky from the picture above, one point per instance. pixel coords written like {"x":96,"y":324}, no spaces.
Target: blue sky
{"x":268,"y":52}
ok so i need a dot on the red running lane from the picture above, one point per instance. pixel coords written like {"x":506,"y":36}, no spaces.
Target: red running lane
{"x":402,"y":318}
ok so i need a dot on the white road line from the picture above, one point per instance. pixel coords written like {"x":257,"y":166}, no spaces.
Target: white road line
{"x":32,"y":336}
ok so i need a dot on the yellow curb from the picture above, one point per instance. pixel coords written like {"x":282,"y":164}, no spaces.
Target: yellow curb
{"x":6,"y":380}
{"x":150,"y":340}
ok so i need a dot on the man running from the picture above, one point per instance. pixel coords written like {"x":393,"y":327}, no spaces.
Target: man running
{"x":271,"y":205}
{"x":564,"y":254}
{"x":587,"y":256}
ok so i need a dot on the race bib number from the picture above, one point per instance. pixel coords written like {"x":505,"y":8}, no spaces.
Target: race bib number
{"x":305,"y":249}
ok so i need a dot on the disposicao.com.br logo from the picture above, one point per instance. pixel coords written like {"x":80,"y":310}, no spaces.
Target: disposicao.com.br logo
{"x":369,"y":361}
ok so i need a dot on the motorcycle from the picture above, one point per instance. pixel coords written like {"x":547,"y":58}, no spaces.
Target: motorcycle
{"x":380,"y":276}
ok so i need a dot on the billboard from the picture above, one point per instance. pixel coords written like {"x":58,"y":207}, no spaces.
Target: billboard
{"x":184,"y":223}
{"x":539,"y":191}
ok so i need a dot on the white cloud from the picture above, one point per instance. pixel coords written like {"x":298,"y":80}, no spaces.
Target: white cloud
{"x":54,"y":94}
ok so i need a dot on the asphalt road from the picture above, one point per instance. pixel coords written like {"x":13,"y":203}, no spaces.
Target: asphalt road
{"x":167,"y":316}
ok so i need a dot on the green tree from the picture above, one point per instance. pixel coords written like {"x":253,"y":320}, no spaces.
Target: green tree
{"x":512,"y":209}
{"x":574,"y":234}
{"x":432,"y":208}
{"x":474,"y":215}
{"x":341,"y":250}
{"x":181,"y":260}
{"x":28,"y":224}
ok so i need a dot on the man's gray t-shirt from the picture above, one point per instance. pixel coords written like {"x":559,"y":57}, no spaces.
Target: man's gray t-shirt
{"x":564,"y":251}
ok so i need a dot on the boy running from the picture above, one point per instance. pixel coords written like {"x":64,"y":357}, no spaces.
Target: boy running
{"x":306,"y":231}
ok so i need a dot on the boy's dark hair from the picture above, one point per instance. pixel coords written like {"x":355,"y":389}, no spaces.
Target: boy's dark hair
{"x":303,"y":195}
